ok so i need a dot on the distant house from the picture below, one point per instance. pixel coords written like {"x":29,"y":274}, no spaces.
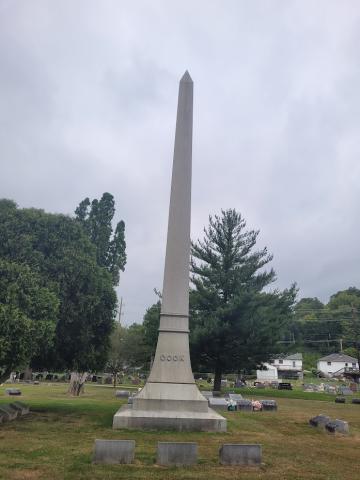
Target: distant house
{"x":336,"y":363}
{"x":282,"y":366}
{"x":268,"y":375}
{"x":289,"y":366}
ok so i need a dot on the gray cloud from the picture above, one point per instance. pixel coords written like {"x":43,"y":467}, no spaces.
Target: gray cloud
{"x":88,"y":102}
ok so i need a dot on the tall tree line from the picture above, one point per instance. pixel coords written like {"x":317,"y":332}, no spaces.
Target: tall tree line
{"x":60,"y":259}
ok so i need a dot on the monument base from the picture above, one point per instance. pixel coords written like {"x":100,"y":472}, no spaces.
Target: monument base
{"x":128,"y":418}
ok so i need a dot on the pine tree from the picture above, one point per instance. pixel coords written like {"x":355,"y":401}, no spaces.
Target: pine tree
{"x":234,"y":323}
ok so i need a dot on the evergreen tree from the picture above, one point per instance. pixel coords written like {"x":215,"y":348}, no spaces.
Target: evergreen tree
{"x":234,"y":323}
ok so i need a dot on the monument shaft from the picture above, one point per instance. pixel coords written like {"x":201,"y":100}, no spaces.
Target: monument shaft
{"x":170,"y":397}
{"x":172,"y":358}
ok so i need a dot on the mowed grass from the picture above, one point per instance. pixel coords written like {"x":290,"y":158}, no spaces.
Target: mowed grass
{"x":56,"y":441}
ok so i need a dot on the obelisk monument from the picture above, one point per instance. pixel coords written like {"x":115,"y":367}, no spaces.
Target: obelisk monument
{"x":170,"y":397}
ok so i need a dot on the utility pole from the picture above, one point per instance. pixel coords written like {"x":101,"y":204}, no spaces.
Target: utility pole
{"x":341,"y":344}
{"x":120,"y":309}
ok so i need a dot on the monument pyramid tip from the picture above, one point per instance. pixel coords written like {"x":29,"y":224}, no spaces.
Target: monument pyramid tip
{"x":186,"y":77}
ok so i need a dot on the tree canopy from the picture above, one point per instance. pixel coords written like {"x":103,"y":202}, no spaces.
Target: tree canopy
{"x":235,"y":323}
{"x":58,"y":250}
{"x":96,"y":217}
{"x":28,"y":313}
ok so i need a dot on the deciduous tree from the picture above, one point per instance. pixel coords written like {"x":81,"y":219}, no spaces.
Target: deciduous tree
{"x":96,"y":217}
{"x":28,"y":314}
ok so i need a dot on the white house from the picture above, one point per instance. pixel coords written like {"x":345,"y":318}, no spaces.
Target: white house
{"x":269,"y":375}
{"x":290,"y":365}
{"x":331,"y":364}
{"x":283,"y":366}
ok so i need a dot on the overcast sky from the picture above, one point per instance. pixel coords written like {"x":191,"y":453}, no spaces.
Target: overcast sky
{"x":88,"y":95}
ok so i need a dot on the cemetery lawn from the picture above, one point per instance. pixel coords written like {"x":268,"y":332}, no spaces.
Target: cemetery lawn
{"x":55,"y":441}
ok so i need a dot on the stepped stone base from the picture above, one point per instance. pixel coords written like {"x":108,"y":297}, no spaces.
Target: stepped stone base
{"x":128,"y":418}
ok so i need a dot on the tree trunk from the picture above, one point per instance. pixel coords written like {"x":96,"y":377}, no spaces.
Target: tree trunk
{"x":28,"y":373}
{"x":115,"y":375}
{"x":77,"y":382}
{"x":217,"y":380}
{"x":5,"y":375}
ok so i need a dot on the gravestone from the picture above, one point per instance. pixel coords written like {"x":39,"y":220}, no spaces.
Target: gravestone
{"x":319,"y":421}
{"x":122,"y":393}
{"x":284,"y":386}
{"x":218,"y":403}
{"x":330,"y":389}
{"x":21,"y":407}
{"x":337,"y":426}
{"x":240,"y":454}
{"x":235,"y":397}
{"x":268,"y":405}
{"x":114,"y":451}
{"x":244,"y":405}
{"x":176,"y":453}
{"x":12,"y":391}
{"x":345,"y":391}
{"x":340,"y":400}
{"x":260,"y":385}
{"x":10,"y":413}
{"x":206,"y":393}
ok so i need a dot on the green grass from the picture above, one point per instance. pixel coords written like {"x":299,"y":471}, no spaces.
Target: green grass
{"x":56,"y":441}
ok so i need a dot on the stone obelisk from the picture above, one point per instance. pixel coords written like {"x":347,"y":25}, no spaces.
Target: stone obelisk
{"x":170,"y":397}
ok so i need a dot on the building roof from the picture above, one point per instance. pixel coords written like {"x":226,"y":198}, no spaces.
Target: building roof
{"x":293,"y":356}
{"x":338,"y":357}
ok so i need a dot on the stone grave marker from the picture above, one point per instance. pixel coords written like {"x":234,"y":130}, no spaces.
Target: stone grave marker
{"x":345,"y":391}
{"x":206,"y":393}
{"x":10,"y":413}
{"x":235,"y":397}
{"x":176,"y":453}
{"x":12,"y":391}
{"x":21,"y":407}
{"x":319,"y":421}
{"x":218,"y":403}
{"x":284,"y":386}
{"x":268,"y":405}
{"x":240,"y":454}
{"x":114,"y":451}
{"x":337,"y":426}
{"x":122,"y":394}
{"x":340,"y":400}
{"x":244,"y":405}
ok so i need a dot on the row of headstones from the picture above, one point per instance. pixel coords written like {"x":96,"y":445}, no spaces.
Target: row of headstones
{"x":13,"y":410}
{"x":343,"y":400}
{"x":332,"y":426}
{"x":234,"y":401}
{"x":242,"y":404}
{"x":175,"y":453}
{"x":341,"y":390}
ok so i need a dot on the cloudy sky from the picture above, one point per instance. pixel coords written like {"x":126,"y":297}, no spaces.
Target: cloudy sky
{"x":88,"y":94}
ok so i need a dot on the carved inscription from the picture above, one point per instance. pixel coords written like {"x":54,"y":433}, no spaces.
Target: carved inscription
{"x":171,"y":357}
